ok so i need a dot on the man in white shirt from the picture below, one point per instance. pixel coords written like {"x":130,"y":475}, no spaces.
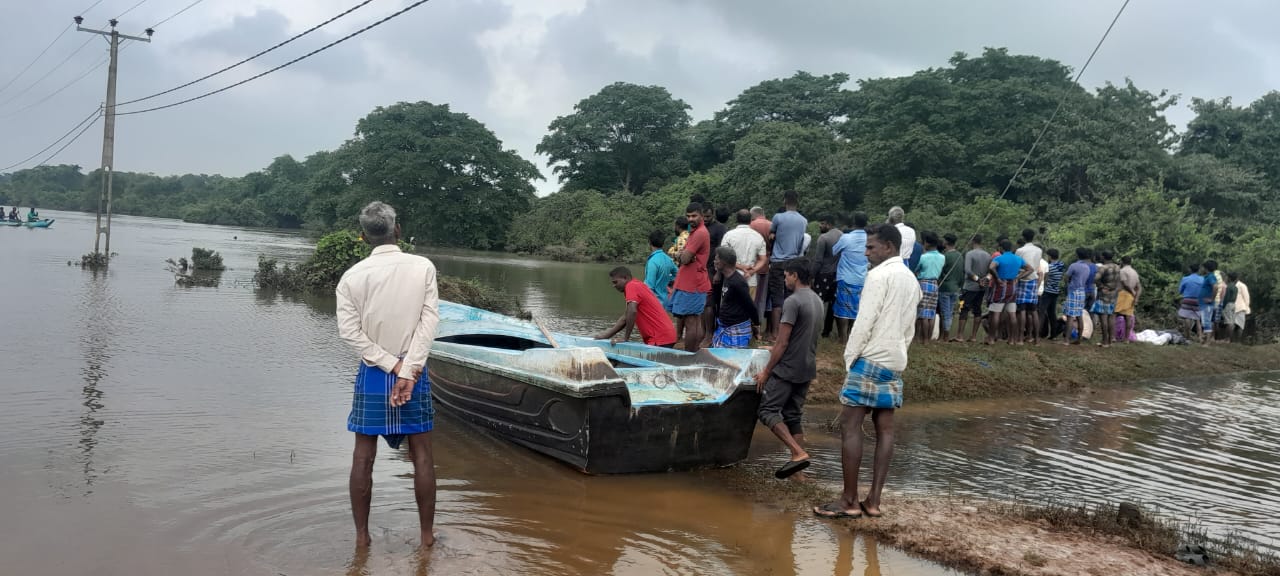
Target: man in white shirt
{"x":749,"y":246}
{"x":388,"y":312}
{"x":875,"y":356}
{"x":896,"y":216}
{"x":1029,"y":290}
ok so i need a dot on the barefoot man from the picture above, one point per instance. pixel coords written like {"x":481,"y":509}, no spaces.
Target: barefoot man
{"x":876,"y":355}
{"x":387,"y":312}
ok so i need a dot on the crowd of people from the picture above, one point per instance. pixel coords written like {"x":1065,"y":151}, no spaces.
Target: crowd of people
{"x":880,"y":288}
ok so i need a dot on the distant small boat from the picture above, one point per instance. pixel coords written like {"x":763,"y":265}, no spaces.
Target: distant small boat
{"x":42,"y":223}
{"x":601,"y":408}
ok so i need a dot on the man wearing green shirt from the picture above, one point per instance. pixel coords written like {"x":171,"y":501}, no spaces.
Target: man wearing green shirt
{"x":951,"y":285}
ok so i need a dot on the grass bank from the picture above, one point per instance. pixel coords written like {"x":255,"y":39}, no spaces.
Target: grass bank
{"x":951,"y":371}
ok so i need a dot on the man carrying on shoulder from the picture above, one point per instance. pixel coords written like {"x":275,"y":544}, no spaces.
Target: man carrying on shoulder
{"x":736,"y":316}
{"x":1104,"y":309}
{"x":659,"y":269}
{"x":692,"y":285}
{"x":851,"y":273}
{"x":787,"y":231}
{"x":1208,"y":292}
{"x":784,"y":382}
{"x":387,"y":309}
{"x":977,"y":266}
{"x":875,"y":355}
{"x":644,"y":311}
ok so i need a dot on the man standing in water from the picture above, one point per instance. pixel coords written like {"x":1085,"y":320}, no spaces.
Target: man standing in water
{"x":875,"y":355}
{"x":387,"y":311}
{"x":784,"y":382}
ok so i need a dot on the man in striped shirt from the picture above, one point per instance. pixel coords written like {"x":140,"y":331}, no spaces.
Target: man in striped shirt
{"x":1052,"y":290}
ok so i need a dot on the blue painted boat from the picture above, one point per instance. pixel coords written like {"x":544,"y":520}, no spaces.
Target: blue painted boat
{"x":601,"y":408}
{"x":42,"y":223}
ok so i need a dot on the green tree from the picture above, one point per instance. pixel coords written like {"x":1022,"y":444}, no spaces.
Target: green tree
{"x":619,"y":139}
{"x":446,"y":173}
{"x":773,"y":158}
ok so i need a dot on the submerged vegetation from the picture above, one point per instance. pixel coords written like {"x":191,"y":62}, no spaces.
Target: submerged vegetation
{"x":338,"y":251}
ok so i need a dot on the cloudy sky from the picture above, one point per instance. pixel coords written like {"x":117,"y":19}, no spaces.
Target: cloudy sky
{"x":517,"y":64}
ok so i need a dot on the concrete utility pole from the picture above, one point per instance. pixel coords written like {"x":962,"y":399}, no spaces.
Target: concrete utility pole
{"x":108,"y":130}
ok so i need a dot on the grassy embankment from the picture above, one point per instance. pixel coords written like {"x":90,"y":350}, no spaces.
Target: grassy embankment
{"x":949,"y":371}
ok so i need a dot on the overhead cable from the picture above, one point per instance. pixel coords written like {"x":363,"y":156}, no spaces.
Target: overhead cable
{"x":286,"y":64}
{"x":208,"y":76}
{"x":88,"y":119}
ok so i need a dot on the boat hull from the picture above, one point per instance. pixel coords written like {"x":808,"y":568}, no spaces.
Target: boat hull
{"x":36,"y":224}
{"x":599,"y":434}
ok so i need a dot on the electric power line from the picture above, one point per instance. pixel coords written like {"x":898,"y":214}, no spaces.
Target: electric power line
{"x":46,"y":74}
{"x":124,"y":45}
{"x":1066,"y":91}
{"x":286,"y":64}
{"x":208,"y":76}
{"x":176,"y":14}
{"x":122,"y":14}
{"x":37,"y":58}
{"x":88,"y":119}
{"x":70,"y":142}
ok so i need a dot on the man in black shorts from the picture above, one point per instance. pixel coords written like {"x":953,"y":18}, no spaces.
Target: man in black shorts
{"x":784,"y":382}
{"x":976,"y":264}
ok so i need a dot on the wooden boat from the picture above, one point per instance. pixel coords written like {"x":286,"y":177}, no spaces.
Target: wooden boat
{"x":42,"y":223}
{"x":601,"y":408}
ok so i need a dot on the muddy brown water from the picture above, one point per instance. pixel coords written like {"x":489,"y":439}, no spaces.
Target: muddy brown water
{"x":152,"y":429}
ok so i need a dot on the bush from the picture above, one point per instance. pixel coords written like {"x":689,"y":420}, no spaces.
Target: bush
{"x":202,"y":259}
{"x":337,"y":252}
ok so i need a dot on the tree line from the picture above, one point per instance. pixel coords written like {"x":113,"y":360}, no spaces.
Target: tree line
{"x":943,"y":143}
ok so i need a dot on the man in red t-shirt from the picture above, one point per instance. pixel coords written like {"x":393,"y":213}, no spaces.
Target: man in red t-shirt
{"x":644,"y":311}
{"x":689,"y":297}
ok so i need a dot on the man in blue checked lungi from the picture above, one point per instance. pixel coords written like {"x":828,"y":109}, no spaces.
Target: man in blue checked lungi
{"x":929,"y":271}
{"x":736,"y":315}
{"x":387,"y":311}
{"x":875,"y":355}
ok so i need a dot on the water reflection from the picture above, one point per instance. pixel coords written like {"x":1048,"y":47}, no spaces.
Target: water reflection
{"x":98,"y":313}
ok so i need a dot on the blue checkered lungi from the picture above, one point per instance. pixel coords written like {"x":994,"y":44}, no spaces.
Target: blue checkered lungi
{"x":1103,"y":308}
{"x":928,"y":307}
{"x":1027,"y":292}
{"x":736,"y":336}
{"x":1074,"y":306}
{"x":372,"y":413}
{"x":872,"y":386}
{"x":848,"y":297}
{"x":684,"y":303}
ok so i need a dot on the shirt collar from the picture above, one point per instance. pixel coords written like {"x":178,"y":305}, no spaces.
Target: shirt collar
{"x":383,"y":249}
{"x":893,"y":259}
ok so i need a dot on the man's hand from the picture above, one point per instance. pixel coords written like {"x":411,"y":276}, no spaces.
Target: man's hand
{"x":761,"y":378}
{"x":401,"y":392}
{"x":617,"y":339}
{"x":399,"y":364}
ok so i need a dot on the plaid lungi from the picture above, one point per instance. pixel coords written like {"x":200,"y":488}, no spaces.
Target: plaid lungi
{"x":1028,"y":292}
{"x":1103,"y":308}
{"x":1189,"y":309}
{"x":872,"y":386}
{"x":736,"y":336}
{"x":1074,"y":306}
{"x":928,"y":299}
{"x":372,"y":413}
{"x":1003,"y":292}
{"x":848,"y":296}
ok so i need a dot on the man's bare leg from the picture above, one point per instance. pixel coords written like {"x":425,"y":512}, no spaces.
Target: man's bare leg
{"x":784,"y":434}
{"x":679,"y":327}
{"x":843,"y":326}
{"x":424,"y":484}
{"x":851,"y":454}
{"x":361,"y":485}
{"x":1015,"y":327}
{"x":692,"y":333}
{"x":775,"y":320}
{"x":883,"y":419}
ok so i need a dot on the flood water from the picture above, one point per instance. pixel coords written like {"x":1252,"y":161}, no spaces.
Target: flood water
{"x":147,"y":428}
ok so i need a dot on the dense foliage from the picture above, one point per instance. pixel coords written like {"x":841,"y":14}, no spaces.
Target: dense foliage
{"x":446,"y":173}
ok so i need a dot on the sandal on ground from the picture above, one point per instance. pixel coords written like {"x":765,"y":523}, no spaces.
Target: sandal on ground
{"x":834,"y":510}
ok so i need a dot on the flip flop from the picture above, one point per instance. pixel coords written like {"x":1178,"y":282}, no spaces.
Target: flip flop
{"x":833,"y":510}
{"x":790,"y":468}
{"x":863,"y":506}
